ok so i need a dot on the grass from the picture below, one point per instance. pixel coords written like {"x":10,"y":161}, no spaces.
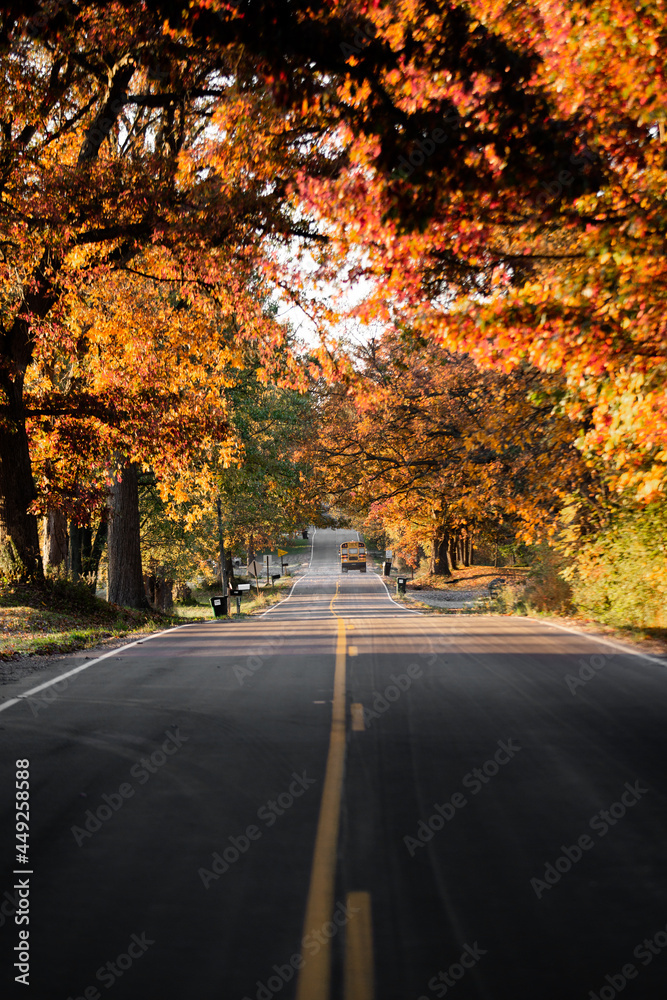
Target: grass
{"x":651,"y":639}
{"x":295,"y":547}
{"x":61,"y":617}
{"x":252,"y":603}
{"x":512,"y":600}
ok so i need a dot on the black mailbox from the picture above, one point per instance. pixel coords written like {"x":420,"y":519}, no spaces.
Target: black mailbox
{"x":219,"y":605}
{"x":400,"y":584}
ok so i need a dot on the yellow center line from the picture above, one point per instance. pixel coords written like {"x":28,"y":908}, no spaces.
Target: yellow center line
{"x":357,"y":713}
{"x":315,"y":977}
{"x":359,"y":978}
{"x":331,"y":606}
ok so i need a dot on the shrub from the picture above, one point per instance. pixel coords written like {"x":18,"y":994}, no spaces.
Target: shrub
{"x":546,"y":588}
{"x":619,"y":577}
{"x":509,"y":599}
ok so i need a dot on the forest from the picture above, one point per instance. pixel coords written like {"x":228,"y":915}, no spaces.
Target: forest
{"x":397,"y":264}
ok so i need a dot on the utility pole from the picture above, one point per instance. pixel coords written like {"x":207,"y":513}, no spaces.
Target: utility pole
{"x":223,"y":561}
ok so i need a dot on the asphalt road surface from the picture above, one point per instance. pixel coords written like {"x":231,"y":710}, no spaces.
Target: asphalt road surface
{"x":340,"y":800}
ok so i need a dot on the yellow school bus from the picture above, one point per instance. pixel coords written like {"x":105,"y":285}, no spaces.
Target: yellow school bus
{"x":353,"y":556}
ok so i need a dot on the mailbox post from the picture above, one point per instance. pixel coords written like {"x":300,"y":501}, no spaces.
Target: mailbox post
{"x":240,"y":588}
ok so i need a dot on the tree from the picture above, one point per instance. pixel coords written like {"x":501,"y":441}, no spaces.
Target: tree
{"x":433,"y":448}
{"x":126,"y":583}
{"x":113,"y":166}
{"x":264,"y":480}
{"x":494,"y":173}
{"x":557,"y":261}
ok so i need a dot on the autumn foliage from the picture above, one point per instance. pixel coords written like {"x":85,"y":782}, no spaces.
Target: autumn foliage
{"x":445,"y":449}
{"x":485,"y":177}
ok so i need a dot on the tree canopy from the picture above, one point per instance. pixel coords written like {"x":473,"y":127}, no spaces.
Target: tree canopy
{"x":488,"y":176}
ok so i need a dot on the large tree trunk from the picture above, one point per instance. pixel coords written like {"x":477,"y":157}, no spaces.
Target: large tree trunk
{"x":80,"y":546}
{"x":92,"y":567}
{"x":440,"y":553}
{"x":452,"y":552}
{"x":467,"y":548}
{"x":126,"y":582}
{"x":164,"y":593}
{"x":55,"y":539}
{"x":20,"y":558}
{"x":150,"y":585}
{"x":85,"y":554}
{"x":231,"y":579}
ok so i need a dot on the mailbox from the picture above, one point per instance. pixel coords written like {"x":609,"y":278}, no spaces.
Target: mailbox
{"x":219,"y":605}
{"x":401,"y":584}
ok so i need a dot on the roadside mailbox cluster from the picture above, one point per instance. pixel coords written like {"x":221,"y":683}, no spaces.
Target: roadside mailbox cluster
{"x":220,"y":604}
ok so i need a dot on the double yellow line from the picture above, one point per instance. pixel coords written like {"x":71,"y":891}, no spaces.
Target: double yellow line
{"x":315,"y":977}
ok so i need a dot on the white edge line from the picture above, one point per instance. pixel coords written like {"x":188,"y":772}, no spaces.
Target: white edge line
{"x":273,"y":608}
{"x":596,"y":638}
{"x":91,"y":663}
{"x":410,"y":611}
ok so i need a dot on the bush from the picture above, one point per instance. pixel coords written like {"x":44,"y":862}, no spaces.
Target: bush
{"x":509,"y":599}
{"x":61,"y":592}
{"x":620,"y":576}
{"x":546,"y":588}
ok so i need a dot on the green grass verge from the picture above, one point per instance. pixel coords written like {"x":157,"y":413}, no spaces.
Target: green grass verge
{"x":252,"y":603}
{"x":61,"y":617}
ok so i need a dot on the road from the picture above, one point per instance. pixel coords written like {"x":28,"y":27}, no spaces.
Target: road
{"x":341,"y":800}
